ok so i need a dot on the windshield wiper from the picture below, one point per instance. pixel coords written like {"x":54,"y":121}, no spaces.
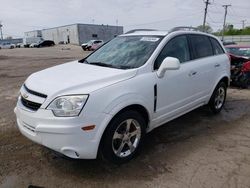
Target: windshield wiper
{"x":125,"y":67}
{"x":83,"y":61}
{"x":101,"y":64}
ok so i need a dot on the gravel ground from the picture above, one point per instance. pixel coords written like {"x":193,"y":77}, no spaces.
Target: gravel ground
{"x":196,"y":150}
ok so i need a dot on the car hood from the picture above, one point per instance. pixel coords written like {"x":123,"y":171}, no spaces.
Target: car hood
{"x":75,"y":78}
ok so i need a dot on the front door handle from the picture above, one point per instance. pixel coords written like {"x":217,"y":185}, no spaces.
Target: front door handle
{"x":216,"y":65}
{"x":192,"y":73}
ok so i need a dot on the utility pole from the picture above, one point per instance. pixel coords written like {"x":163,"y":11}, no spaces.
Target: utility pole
{"x":224,"y":23}
{"x":243,"y":23}
{"x":205,"y":15}
{"x":1,"y":31}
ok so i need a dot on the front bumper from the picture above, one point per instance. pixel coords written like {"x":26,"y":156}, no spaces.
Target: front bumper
{"x":63,"y":135}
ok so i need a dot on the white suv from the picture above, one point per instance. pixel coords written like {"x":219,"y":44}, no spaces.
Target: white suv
{"x":104,"y":104}
{"x":7,"y":45}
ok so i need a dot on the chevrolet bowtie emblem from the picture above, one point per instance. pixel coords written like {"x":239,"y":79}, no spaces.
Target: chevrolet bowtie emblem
{"x":25,"y":95}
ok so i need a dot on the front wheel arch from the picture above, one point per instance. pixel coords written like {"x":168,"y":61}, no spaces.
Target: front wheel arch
{"x":137,"y":108}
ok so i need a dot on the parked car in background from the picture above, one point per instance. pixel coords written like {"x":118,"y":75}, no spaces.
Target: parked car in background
{"x":19,"y":45}
{"x":96,"y":45}
{"x":239,"y":50}
{"x":85,"y":45}
{"x":229,"y":43}
{"x":7,"y":45}
{"x":33,"y":45}
{"x":46,"y":43}
{"x":240,"y":65}
{"x":92,"y":45}
{"x":104,"y":104}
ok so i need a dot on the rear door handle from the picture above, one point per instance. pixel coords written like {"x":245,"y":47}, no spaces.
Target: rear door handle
{"x":217,"y":65}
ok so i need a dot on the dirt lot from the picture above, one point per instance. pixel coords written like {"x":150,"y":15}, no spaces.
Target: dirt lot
{"x":196,"y":150}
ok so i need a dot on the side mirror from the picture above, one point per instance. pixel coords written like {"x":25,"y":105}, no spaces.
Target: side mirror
{"x":169,"y":63}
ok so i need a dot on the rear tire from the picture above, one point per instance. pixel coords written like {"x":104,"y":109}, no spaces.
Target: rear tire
{"x":123,"y":137}
{"x":218,"y":98}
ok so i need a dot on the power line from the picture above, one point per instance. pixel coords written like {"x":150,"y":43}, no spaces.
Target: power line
{"x":165,"y":20}
{"x":212,"y":20}
{"x":240,"y":7}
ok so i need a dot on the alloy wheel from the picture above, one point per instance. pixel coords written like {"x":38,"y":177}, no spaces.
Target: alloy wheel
{"x":126,"y":138}
{"x":219,"y":98}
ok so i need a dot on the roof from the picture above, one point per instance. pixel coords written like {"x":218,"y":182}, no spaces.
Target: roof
{"x":164,"y":33}
{"x":152,"y":33}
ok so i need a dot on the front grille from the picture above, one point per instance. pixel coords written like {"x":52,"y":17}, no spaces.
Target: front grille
{"x":29,"y":104}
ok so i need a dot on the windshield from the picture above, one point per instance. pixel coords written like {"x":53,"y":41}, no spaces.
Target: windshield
{"x":244,"y":51}
{"x":90,"y":42}
{"x":125,"y":52}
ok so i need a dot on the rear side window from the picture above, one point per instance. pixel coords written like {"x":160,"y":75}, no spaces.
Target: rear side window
{"x":216,"y":46}
{"x":201,"y":46}
{"x":176,"y":47}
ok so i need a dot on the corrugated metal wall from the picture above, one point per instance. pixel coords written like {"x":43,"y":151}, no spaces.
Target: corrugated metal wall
{"x":100,"y":32}
{"x":67,"y":34}
{"x":77,"y":33}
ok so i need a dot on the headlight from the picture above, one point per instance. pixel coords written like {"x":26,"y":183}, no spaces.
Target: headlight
{"x":68,"y":105}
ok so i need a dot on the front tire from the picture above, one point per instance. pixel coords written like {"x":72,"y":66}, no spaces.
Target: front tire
{"x":123,"y":137}
{"x":218,"y":98}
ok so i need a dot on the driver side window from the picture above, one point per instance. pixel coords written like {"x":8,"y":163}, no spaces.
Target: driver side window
{"x":176,"y":47}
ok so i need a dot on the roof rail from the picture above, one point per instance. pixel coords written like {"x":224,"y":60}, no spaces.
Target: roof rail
{"x":183,"y":28}
{"x":135,"y":30}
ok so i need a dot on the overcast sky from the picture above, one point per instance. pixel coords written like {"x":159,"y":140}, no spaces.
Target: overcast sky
{"x":18,"y":16}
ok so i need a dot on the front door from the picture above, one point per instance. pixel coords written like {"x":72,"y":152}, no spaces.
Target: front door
{"x":176,"y":90}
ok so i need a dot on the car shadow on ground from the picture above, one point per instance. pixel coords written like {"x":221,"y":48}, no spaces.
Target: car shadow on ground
{"x":153,"y":158}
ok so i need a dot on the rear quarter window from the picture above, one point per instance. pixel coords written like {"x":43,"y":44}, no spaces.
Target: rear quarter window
{"x":217,"y":49}
{"x":201,"y":46}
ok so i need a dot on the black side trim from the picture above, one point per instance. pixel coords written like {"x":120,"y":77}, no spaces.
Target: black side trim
{"x":155,"y":97}
{"x":34,"y":92}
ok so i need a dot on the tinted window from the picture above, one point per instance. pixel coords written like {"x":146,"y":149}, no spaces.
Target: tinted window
{"x":216,"y":47}
{"x":176,"y":47}
{"x":201,"y":46}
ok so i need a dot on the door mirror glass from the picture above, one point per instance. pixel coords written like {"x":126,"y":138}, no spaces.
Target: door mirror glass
{"x":169,"y":63}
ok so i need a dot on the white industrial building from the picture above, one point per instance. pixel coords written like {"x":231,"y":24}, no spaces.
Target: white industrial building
{"x":76,"y":33}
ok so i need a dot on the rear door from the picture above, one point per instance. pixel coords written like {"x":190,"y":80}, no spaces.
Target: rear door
{"x":204,"y":64}
{"x":219,"y":60}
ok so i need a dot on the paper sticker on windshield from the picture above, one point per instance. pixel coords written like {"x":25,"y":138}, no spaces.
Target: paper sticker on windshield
{"x":149,"y":39}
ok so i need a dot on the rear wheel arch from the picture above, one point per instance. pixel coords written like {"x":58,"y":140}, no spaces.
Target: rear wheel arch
{"x":221,"y":85}
{"x":225,"y":80}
